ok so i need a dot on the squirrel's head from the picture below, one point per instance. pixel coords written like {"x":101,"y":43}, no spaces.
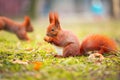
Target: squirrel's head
{"x":27,"y":24}
{"x":54,"y":27}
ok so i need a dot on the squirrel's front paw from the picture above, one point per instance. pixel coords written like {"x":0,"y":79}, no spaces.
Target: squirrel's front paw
{"x":47,"y":39}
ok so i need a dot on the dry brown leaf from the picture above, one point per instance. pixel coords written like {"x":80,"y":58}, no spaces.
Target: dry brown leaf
{"x":96,"y":58}
{"x":37,"y":65}
{"x":19,"y":62}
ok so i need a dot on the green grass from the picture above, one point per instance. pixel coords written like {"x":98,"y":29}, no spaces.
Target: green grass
{"x":72,"y":68}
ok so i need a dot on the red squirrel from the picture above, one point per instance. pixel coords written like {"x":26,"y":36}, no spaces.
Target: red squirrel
{"x":19,"y":29}
{"x":61,"y":38}
{"x":70,"y":43}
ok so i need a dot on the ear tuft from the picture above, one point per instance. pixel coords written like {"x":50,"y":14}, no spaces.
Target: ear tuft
{"x":27,"y":21}
{"x":27,"y":18}
{"x":51,"y":17}
{"x":56,"y":15}
{"x":57,"y":22}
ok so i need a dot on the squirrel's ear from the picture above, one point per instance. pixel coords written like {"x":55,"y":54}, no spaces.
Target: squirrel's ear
{"x":51,"y":17}
{"x":27,"y":21}
{"x":57,"y":22}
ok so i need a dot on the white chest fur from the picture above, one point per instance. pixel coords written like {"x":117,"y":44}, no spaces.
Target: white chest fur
{"x":59,"y":50}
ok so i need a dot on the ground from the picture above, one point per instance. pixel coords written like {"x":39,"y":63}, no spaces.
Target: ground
{"x":20,"y":60}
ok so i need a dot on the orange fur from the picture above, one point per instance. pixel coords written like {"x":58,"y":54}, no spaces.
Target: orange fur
{"x":70,"y":43}
{"x":99,"y":43}
{"x":61,"y":38}
{"x":19,"y":29}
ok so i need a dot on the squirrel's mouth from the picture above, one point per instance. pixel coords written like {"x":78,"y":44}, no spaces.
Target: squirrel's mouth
{"x":52,"y":35}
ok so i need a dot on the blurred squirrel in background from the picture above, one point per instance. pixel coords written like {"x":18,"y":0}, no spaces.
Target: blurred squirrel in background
{"x":20,"y":29}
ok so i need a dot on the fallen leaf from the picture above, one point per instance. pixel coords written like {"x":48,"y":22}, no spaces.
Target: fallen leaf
{"x":19,"y":62}
{"x":37,"y":65}
{"x":29,"y":49}
{"x":96,"y":58}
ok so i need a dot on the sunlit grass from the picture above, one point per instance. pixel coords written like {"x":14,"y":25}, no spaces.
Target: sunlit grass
{"x":72,"y":68}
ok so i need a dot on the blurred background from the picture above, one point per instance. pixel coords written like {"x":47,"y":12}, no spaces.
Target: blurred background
{"x":82,"y":17}
{"x":84,"y":10}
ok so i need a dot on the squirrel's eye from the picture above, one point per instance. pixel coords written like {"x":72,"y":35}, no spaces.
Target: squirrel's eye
{"x":52,"y":30}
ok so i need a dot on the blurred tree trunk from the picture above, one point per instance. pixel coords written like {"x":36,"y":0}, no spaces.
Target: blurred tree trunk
{"x":116,"y":8}
{"x":32,"y":12}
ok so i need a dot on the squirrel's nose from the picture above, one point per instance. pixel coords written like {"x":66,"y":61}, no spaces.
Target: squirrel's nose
{"x":47,"y":34}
